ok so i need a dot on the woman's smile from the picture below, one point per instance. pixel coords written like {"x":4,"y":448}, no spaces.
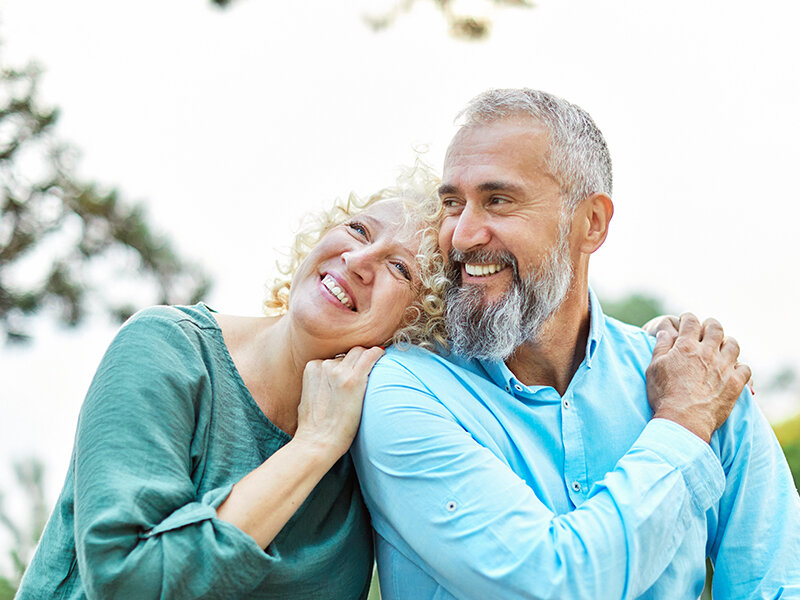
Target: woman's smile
{"x":336,"y":289}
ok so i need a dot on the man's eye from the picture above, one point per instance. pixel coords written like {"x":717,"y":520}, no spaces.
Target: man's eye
{"x":359,"y":228}
{"x":499,"y":200}
{"x":450,"y":202}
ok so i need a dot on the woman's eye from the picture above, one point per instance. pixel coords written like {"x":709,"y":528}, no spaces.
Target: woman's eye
{"x":359,"y":228}
{"x":403,"y":269}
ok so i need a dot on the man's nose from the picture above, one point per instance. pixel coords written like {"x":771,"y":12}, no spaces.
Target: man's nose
{"x":362,"y":262}
{"x":471,"y":230}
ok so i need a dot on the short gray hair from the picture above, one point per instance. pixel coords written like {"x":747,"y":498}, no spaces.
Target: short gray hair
{"x":578,"y":156}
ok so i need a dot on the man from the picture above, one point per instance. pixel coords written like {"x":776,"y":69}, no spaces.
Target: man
{"x":528,"y":462}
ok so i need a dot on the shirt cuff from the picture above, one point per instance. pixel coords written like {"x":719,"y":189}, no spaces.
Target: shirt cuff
{"x":694,"y":458}
{"x":193,"y":512}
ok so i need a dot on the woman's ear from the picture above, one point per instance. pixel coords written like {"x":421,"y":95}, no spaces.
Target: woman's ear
{"x":595,"y":215}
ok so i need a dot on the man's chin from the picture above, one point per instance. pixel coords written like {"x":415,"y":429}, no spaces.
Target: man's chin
{"x":490,"y":295}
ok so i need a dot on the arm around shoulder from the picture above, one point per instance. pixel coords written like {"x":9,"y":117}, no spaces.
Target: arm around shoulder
{"x":435,"y":492}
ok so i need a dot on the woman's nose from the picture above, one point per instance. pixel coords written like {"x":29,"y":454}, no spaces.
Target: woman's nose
{"x":361,"y":262}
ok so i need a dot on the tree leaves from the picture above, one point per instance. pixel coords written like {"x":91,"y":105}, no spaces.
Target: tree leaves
{"x":64,"y":242}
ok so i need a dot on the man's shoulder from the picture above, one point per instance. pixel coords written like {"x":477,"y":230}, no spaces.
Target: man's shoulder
{"x":626,"y":336}
{"x":423,"y":362}
{"x":434,"y":374}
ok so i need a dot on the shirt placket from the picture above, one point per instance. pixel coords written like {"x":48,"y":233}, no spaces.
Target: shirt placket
{"x":575,"y":476}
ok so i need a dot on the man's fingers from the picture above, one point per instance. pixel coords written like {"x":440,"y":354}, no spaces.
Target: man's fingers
{"x":730,"y":349}
{"x":664,"y":341}
{"x":689,"y":326}
{"x":745,"y":373}
{"x":712,"y":333}
{"x":668,"y":323}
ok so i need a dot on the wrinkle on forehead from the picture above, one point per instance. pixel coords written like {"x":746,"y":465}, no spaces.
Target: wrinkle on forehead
{"x":526,"y":127}
{"x":519,"y":142}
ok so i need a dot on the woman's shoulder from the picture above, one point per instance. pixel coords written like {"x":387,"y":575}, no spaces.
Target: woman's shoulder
{"x":198,"y":316}
{"x":170,"y":336}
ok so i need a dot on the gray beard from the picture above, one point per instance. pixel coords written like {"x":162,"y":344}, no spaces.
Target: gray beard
{"x":493,"y":331}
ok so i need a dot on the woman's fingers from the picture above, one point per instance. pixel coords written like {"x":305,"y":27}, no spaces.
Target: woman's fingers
{"x":359,"y":360}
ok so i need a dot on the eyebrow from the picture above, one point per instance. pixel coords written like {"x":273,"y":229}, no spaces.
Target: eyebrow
{"x":373,"y":223}
{"x":487,"y":186}
{"x":446,"y":189}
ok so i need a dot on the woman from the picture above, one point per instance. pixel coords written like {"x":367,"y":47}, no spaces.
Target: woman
{"x":210,"y":458}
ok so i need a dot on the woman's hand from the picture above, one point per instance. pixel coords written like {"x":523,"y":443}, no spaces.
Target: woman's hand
{"x":333,"y":393}
{"x":263,"y":501}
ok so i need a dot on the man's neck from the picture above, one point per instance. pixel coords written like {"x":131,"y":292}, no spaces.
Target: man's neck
{"x":555,"y":356}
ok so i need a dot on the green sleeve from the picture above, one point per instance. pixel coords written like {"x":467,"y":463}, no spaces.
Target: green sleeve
{"x":140,"y":529}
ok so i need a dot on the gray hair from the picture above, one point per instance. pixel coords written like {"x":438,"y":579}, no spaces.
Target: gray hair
{"x":578,"y":156}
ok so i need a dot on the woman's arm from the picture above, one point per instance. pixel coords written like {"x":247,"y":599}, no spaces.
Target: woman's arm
{"x":330,"y":409}
{"x":141,"y":528}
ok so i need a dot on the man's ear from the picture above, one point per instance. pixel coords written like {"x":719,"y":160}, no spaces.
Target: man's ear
{"x":592,"y":218}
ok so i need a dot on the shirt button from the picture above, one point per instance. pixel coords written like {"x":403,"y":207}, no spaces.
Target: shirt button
{"x":451,"y":506}
{"x":565,"y":402}
{"x":518,"y":387}
{"x":576,"y":485}
{"x":508,"y":388}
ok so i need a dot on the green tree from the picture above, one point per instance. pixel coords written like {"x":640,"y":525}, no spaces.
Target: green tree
{"x":463,"y":24}
{"x":60,"y":236}
{"x":788,"y":434}
{"x":636,"y":309}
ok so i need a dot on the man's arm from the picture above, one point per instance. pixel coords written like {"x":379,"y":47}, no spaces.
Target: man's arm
{"x":450,"y":504}
{"x":755,"y":528}
{"x":481,"y":532}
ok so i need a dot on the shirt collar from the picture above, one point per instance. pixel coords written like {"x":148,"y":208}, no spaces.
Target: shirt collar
{"x":502,"y":375}
{"x":597,"y":325}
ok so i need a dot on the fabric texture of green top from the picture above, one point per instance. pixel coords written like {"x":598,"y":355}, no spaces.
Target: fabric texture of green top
{"x":166,"y":429}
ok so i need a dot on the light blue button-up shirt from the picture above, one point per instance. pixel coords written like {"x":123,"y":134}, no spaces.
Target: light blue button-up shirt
{"x":482,"y":487}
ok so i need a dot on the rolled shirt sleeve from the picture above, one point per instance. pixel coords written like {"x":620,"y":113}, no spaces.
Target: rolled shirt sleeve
{"x":166,"y":430}
{"x":140,"y":529}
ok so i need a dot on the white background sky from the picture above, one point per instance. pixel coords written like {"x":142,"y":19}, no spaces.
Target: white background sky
{"x":231,"y":124}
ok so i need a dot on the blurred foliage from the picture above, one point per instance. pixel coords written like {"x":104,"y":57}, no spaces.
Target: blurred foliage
{"x":466,"y":19}
{"x":788,"y":434}
{"x":29,"y":474}
{"x":55,"y":229}
{"x":636,"y":309}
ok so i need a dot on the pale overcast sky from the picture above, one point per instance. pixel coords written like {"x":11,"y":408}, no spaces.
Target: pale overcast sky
{"x":230,"y":124}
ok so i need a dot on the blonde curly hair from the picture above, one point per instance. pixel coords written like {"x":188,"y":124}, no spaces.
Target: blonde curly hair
{"x":423,"y":321}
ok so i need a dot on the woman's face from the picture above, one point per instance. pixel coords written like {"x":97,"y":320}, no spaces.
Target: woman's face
{"x":355,"y":285}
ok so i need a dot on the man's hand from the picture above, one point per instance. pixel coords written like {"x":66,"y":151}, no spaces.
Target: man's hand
{"x":694,"y":378}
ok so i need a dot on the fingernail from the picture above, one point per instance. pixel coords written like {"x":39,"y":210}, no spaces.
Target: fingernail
{"x":381,"y":347}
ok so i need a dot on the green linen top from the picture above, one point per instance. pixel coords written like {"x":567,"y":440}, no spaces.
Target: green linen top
{"x":166,"y":429}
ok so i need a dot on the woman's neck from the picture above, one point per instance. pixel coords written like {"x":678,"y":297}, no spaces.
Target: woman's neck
{"x":270,"y":358}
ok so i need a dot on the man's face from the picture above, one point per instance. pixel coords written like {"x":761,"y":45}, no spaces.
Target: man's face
{"x":506,"y":237}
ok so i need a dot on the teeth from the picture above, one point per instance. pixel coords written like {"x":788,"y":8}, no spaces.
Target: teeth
{"x":482,"y":270}
{"x":330,"y":283}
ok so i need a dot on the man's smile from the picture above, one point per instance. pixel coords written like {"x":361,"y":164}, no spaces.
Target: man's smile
{"x":482,"y":270}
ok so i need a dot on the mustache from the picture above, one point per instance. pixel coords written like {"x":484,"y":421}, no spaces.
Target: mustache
{"x":456,"y":258}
